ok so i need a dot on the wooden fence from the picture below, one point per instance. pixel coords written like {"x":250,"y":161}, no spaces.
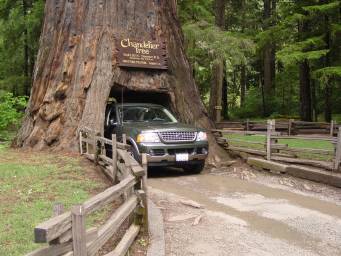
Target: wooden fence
{"x":289,"y":127}
{"x":66,"y":232}
{"x":271,"y":149}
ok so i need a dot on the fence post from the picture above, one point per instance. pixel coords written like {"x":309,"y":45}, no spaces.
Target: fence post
{"x":338,"y":151}
{"x":78,"y":231}
{"x":247,"y":125}
{"x":144,"y":188}
{"x":124,"y":139}
{"x":114,"y":155}
{"x":270,"y":129}
{"x":332,"y":123}
{"x":81,"y":142}
{"x":289,"y":127}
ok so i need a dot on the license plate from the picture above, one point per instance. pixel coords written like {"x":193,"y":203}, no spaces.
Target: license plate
{"x":181,"y":157}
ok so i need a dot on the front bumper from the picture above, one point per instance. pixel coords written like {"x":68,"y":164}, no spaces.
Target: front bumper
{"x":160,"y":154}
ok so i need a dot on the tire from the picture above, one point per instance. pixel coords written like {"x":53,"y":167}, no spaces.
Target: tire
{"x":134,"y":154}
{"x":194,"y":168}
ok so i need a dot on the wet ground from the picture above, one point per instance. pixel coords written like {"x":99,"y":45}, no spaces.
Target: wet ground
{"x":262,"y":214}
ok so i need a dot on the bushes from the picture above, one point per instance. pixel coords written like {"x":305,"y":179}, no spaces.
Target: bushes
{"x":11,"y":110}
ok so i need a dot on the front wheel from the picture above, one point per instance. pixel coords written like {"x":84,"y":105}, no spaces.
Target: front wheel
{"x":133,"y":152}
{"x":194,"y":168}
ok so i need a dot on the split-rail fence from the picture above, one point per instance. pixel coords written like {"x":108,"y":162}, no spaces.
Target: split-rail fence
{"x":271,"y":149}
{"x":66,"y":233}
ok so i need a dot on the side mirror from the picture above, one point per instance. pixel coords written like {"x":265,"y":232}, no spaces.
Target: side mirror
{"x":113,"y":123}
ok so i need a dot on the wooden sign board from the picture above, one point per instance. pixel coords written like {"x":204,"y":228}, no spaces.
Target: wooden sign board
{"x":141,"y":53}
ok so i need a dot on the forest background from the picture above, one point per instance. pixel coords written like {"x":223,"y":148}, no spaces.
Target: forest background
{"x":264,"y":58}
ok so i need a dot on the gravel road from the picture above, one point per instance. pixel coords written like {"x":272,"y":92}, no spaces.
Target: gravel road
{"x":259,"y":215}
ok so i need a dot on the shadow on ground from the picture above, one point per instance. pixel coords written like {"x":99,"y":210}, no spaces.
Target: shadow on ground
{"x":164,"y":172}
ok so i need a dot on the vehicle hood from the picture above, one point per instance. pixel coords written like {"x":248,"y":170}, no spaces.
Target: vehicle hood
{"x":160,"y":127}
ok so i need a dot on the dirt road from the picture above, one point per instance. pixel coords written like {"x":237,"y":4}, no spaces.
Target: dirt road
{"x":244,"y":217}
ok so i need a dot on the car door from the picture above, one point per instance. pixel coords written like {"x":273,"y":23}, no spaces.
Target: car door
{"x":113,"y":124}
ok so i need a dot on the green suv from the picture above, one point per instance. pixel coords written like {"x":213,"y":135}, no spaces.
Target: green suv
{"x":152,"y":129}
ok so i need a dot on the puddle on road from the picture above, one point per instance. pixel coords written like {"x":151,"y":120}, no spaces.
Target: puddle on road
{"x":301,"y":220}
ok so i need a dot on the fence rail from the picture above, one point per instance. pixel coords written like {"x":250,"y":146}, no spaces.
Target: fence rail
{"x":66,"y":232}
{"x":289,"y":127}
{"x":271,"y":149}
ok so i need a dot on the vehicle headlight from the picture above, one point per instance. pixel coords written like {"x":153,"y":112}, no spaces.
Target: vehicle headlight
{"x":148,"y":137}
{"x":202,"y":136}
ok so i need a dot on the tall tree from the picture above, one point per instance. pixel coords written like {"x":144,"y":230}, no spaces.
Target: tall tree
{"x":77,"y":69}
{"x":218,"y":70}
{"x":269,"y":52}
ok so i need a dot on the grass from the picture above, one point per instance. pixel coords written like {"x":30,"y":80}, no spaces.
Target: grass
{"x":30,"y":184}
{"x":293,"y":143}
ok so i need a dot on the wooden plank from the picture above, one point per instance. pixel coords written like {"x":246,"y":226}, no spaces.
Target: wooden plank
{"x":332,"y":128}
{"x":88,"y":141}
{"x":112,"y":225}
{"x":309,"y":150}
{"x":124,"y":156}
{"x":52,"y":250}
{"x":108,"y":195}
{"x":91,"y":234}
{"x":337,"y":160}
{"x":52,"y":228}
{"x":268,"y":165}
{"x":104,"y":140}
{"x":326,"y":177}
{"x":80,"y":142}
{"x":106,"y":159}
{"x":91,"y":157}
{"x":244,"y":132}
{"x":123,"y":146}
{"x":124,"y":138}
{"x":125,"y":243}
{"x":138,"y":170}
{"x":270,"y":128}
{"x":78,"y":230}
{"x":246,"y":142}
{"x":114,"y":156}
{"x":257,"y":152}
{"x":316,"y":163}
{"x":323,"y":138}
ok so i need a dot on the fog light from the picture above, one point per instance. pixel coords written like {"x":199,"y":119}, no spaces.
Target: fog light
{"x":204,"y":151}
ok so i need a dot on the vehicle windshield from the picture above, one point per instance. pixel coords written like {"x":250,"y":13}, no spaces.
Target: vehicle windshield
{"x":132,"y":114}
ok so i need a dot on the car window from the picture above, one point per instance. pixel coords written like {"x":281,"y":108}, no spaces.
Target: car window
{"x":146,"y":114}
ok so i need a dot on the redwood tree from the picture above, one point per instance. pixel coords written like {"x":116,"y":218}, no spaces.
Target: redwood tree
{"x":77,"y":68}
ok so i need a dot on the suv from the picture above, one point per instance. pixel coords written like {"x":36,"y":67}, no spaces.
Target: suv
{"x":153,"y":130}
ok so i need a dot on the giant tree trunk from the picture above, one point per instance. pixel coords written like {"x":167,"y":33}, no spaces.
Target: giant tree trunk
{"x":77,"y":68}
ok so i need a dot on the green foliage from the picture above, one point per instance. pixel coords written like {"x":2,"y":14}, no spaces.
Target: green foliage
{"x":11,"y":110}
{"x":19,"y":30}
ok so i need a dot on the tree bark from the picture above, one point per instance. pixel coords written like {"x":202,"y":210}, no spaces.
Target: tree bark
{"x":269,"y":52}
{"x":27,"y":74}
{"x":225,"y":99}
{"x":76,"y":69}
{"x":242,"y":85}
{"x":216,"y":90}
{"x":218,"y":68}
{"x":305,"y":92}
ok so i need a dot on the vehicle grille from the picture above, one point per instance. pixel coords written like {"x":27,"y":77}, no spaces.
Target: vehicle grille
{"x":177,"y":136}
